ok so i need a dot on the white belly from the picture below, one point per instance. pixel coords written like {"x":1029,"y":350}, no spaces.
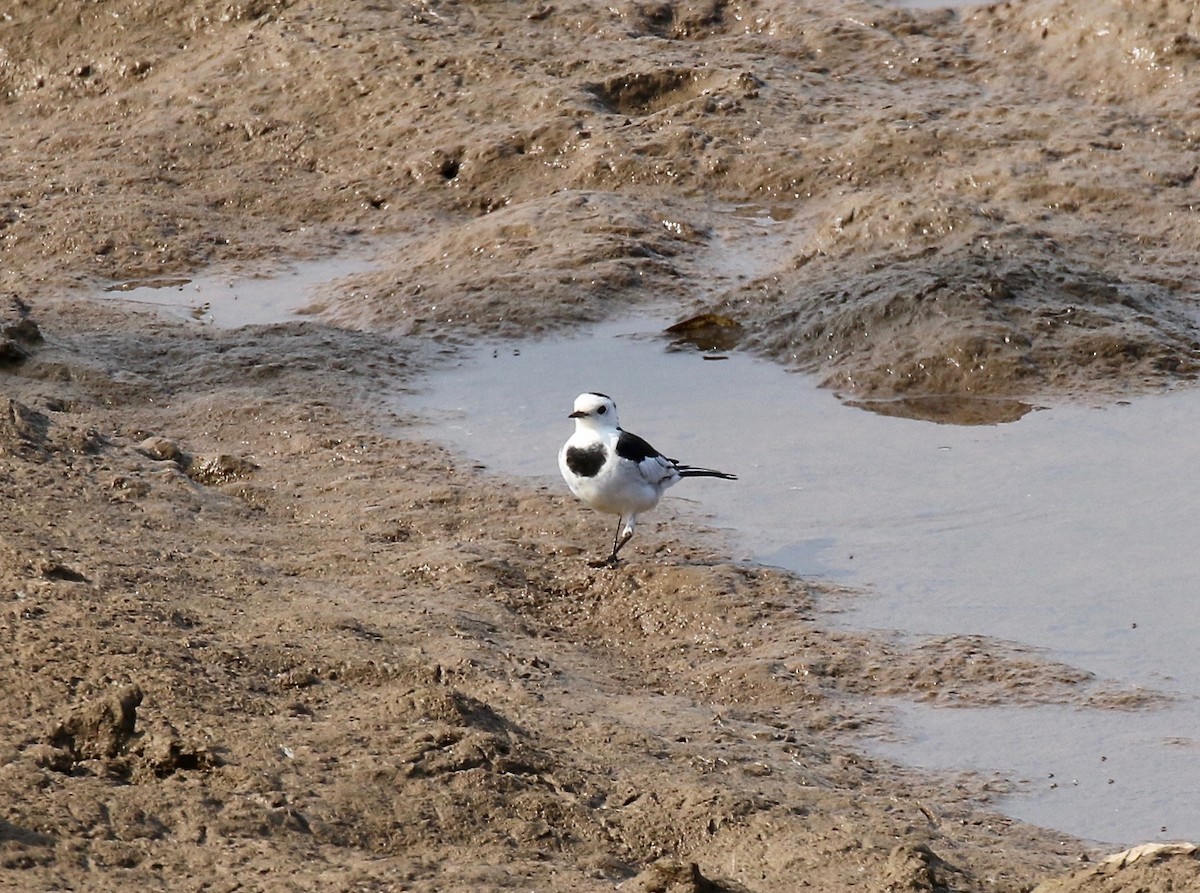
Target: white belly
{"x":618,"y":488}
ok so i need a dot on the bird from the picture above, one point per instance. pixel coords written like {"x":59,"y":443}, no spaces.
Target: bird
{"x":616,"y":472}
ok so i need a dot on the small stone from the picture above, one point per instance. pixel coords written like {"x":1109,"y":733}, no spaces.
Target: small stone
{"x":161,"y":448}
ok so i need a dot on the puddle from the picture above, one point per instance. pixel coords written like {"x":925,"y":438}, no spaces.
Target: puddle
{"x":229,"y":300}
{"x":1073,"y":529}
{"x":1119,"y":777}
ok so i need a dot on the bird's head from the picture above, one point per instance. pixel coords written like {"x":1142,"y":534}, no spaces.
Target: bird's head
{"x":596,"y":411}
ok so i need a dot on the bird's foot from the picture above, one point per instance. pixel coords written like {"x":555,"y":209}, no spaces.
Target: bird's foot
{"x":611,"y":561}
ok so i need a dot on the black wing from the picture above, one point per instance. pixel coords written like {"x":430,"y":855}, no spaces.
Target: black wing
{"x":633,"y":448}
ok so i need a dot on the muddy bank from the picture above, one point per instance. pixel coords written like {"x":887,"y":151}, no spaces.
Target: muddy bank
{"x":996,"y":201}
{"x":252,"y":638}
{"x":257,"y":637}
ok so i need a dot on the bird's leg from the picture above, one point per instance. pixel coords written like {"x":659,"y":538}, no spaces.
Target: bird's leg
{"x":624,"y":534}
{"x":617,"y":543}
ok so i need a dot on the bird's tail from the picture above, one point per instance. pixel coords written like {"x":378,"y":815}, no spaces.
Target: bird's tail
{"x":687,"y":471}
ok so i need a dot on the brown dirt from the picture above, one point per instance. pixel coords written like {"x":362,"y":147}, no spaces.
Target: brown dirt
{"x":257,"y":637}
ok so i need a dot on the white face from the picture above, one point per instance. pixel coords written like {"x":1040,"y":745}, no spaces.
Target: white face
{"x":595,"y":410}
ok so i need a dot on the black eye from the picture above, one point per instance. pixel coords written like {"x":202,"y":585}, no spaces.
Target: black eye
{"x":602,"y":410}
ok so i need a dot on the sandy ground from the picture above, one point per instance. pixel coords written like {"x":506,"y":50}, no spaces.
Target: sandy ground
{"x":258,"y":638}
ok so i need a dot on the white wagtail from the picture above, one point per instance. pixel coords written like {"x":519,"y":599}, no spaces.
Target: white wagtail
{"x":617,"y":472}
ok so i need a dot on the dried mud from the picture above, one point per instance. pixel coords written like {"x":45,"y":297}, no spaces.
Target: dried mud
{"x":257,"y":638}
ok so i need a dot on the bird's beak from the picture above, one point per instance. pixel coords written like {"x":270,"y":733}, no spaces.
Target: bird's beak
{"x":577,"y":414}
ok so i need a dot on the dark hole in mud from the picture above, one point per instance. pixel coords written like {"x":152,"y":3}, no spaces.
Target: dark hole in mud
{"x":11,"y":353}
{"x":449,"y":169}
{"x":18,"y":332}
{"x":175,"y":758}
{"x":24,"y":330}
{"x":64,"y":573}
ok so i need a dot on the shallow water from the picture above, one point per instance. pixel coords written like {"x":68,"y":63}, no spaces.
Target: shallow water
{"x":229,"y":300}
{"x":1073,"y":529}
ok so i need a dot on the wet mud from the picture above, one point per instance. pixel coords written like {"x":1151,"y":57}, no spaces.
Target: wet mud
{"x":257,"y":638}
